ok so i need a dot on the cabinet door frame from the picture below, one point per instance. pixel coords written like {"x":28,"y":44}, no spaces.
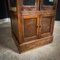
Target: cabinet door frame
{"x":37,"y":28}
{"x":51,"y":26}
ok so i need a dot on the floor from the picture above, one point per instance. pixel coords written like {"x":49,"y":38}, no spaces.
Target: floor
{"x":8,"y":49}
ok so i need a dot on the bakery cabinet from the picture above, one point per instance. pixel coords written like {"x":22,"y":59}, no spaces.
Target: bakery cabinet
{"x":32,"y":22}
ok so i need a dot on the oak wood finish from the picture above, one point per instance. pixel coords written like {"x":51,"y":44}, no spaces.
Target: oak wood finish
{"x":32,"y":25}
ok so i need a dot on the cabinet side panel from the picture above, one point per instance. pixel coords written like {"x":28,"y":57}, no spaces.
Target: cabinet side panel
{"x":14,"y":25}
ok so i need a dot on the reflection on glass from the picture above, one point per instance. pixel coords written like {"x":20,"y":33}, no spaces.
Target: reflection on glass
{"x":48,"y":2}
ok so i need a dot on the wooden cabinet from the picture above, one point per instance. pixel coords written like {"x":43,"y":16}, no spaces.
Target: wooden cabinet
{"x":32,"y":22}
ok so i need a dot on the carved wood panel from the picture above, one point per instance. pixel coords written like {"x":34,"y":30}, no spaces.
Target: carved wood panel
{"x":30,"y":27}
{"x":45,"y":25}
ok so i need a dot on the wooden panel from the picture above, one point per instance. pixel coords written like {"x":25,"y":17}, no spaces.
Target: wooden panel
{"x":45,"y":25}
{"x":30,"y":27}
{"x":29,"y":8}
{"x":30,"y":14}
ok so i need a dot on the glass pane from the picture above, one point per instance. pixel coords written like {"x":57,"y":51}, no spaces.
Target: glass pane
{"x":48,"y":2}
{"x":13,"y":3}
{"x":29,"y":2}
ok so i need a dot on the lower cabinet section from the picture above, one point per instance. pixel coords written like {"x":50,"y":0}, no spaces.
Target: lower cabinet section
{"x":33,"y":44}
{"x":36,"y":43}
{"x":32,"y":32}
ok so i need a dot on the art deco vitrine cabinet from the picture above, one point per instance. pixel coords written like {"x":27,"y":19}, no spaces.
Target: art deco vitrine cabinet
{"x":32,"y":22}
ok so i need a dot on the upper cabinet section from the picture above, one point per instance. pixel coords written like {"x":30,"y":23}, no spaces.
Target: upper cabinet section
{"x":32,"y":5}
{"x":47,"y":4}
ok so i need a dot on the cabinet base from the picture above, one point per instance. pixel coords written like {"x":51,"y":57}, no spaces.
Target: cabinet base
{"x":33,"y":44}
{"x":36,"y":43}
